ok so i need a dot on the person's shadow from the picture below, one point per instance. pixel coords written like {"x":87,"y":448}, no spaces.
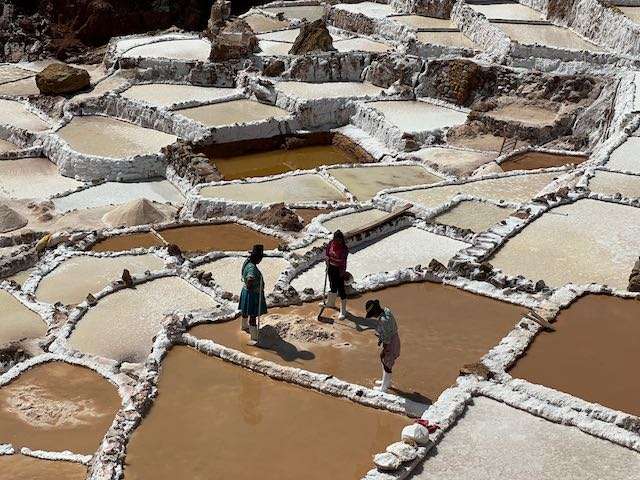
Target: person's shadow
{"x":271,"y":340}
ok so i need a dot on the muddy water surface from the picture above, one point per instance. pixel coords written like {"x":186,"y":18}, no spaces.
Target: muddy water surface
{"x":225,"y":237}
{"x":534,"y":160}
{"x":593,"y":354}
{"x":441,"y":329}
{"x":57,"y":406}
{"x":127,"y":242}
{"x":215,"y":420}
{"x":14,"y":467}
{"x":281,"y":161}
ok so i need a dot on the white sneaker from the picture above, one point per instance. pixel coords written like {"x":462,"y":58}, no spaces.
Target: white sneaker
{"x":343,"y":309}
{"x":255,"y":335}
{"x":386,"y":383}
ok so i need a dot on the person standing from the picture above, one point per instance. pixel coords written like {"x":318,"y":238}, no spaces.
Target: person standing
{"x":252,"y":300}
{"x":337,"y":253}
{"x":388,"y":338}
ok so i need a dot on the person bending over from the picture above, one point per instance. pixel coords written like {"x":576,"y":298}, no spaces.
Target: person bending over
{"x":388,"y":338}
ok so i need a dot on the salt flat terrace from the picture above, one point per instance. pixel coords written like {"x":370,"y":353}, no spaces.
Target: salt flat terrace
{"x":33,"y":178}
{"x":183,"y":49}
{"x":232,"y":112}
{"x":419,"y":116}
{"x":18,"y":321}
{"x":473,"y":215}
{"x":311,"y":91}
{"x":167,"y":95}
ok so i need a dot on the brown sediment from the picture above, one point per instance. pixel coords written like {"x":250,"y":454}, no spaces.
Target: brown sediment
{"x":593,"y":354}
{"x":224,"y":237}
{"x":280,"y":161}
{"x":226,"y":422}
{"x":14,"y":467}
{"x":127,"y":242}
{"x":534,"y":160}
{"x":56,"y":407}
{"x":308,"y":214}
{"x":441,"y":329}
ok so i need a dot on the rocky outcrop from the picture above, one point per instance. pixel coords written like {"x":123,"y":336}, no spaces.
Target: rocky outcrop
{"x":634,"y":278}
{"x":313,"y":37}
{"x":192,"y":167}
{"x":61,"y":79}
{"x":429,"y":8}
{"x":233,"y":41}
{"x":278,"y":215}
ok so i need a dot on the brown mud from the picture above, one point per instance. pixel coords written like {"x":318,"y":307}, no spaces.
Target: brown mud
{"x":14,"y":467}
{"x":441,"y":329}
{"x":535,"y":160}
{"x":216,"y":420}
{"x":56,"y":407}
{"x":593,"y":354}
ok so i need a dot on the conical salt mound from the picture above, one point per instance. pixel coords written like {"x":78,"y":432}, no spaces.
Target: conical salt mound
{"x":10,"y":220}
{"x":137,"y":212}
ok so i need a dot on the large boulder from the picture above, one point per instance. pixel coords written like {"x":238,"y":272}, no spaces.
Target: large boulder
{"x":60,"y":79}
{"x":313,"y":37}
{"x":235,"y":41}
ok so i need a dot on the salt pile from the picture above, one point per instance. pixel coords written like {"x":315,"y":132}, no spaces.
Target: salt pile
{"x":10,"y":220}
{"x":138,"y":212}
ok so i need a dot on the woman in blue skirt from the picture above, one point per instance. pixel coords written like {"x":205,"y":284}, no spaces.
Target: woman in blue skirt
{"x":252,"y":301}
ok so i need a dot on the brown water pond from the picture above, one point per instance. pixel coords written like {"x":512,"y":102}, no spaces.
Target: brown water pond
{"x":14,"y":467}
{"x":283,"y":153}
{"x":593,"y":354}
{"x":534,"y":160}
{"x":217,"y":420}
{"x":57,"y":406}
{"x":191,"y":239}
{"x":441,"y":329}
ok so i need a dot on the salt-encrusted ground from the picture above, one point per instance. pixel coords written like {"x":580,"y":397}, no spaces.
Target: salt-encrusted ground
{"x":422,"y":99}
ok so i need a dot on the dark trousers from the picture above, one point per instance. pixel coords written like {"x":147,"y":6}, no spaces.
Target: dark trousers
{"x":336,"y":281}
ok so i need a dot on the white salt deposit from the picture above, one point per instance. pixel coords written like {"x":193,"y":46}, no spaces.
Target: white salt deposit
{"x":493,"y":440}
{"x":626,"y":156}
{"x":507,"y":11}
{"x":291,"y":189}
{"x":474,"y":216}
{"x":166,"y":95}
{"x":406,"y":248}
{"x":268,"y":47}
{"x":227,"y":272}
{"x":514,"y":188}
{"x":414,"y":116}
{"x":236,"y":111}
{"x":78,"y":276}
{"x":110,"y":137}
{"x":610,"y":183}
{"x":547,"y":35}
{"x":7,"y":146}
{"x":18,"y":322}
{"x":354,"y":221}
{"x":12,"y":73}
{"x":26,"y":86}
{"x":15,"y":114}
{"x":368,"y":9}
{"x":312,"y":91}
{"x":360,"y":45}
{"x":457,"y":162}
{"x":113,"y":193}
{"x":366,"y":182}
{"x":310,"y":12}
{"x":127,"y":43}
{"x":261,"y":23}
{"x":191,"y":49}
{"x":123,"y":324}
{"x":602,"y":251}
{"x":33,"y":178}
{"x":447,"y":39}
{"x":281,"y":36}
{"x":419,"y":21}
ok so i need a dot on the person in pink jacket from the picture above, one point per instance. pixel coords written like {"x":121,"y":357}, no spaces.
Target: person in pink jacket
{"x":337,"y":253}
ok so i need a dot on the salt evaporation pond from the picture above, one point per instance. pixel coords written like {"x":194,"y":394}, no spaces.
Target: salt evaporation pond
{"x":416,"y":116}
{"x":315,"y":91}
{"x":441,"y":329}
{"x":113,"y":138}
{"x":12,"y":73}
{"x":513,"y":188}
{"x":368,"y":9}
{"x":207,"y":405}
{"x":354,"y":221}
{"x":33,"y":178}
{"x":16,"y":115}
{"x":411,"y":246}
{"x":590,"y":251}
{"x":55,"y":407}
{"x":454,"y":161}
{"x":7,"y":146}
{"x":187,"y":49}
{"x":625,"y":157}
{"x":508,"y":11}
{"x":18,"y":322}
{"x":115,"y":193}
{"x":167,"y":95}
{"x":21,"y":466}
{"x":448,"y":39}
{"x":535,"y":160}
{"x":310,"y":12}
{"x":287,"y":36}
{"x":547,"y":35}
{"x":22,"y":87}
{"x":419,"y":21}
{"x":236,"y":111}
{"x":632,"y":12}
{"x":360,"y":45}
{"x":227,"y":272}
{"x":124,"y":44}
{"x":365,"y":182}
{"x":591,"y":354}
{"x":493,"y":440}
{"x":262,"y":23}
{"x":124,"y":323}
{"x":78,"y":276}
{"x":610,"y":183}
{"x":473,"y":215}
{"x":526,"y":114}
{"x":128,"y":241}
{"x":280,"y":161}
{"x":308,"y":187}
{"x":268,"y":47}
